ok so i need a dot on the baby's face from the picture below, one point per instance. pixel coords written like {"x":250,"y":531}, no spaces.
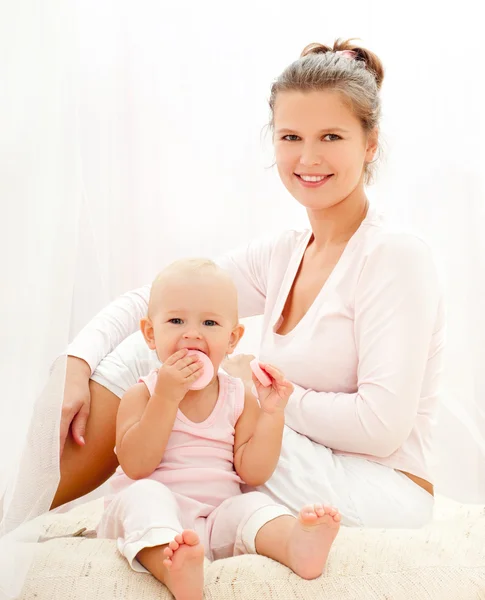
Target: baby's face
{"x":197,"y":312}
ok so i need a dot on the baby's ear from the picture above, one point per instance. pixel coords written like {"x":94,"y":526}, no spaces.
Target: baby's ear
{"x":146,"y":327}
{"x":236,"y":335}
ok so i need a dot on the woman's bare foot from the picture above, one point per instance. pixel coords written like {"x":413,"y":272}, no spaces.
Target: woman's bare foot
{"x":184,"y":564}
{"x":311,"y":539}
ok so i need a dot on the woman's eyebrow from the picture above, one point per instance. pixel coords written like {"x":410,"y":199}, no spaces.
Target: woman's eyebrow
{"x":326,"y":130}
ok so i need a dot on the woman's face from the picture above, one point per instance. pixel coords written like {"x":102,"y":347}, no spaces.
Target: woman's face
{"x":320,"y":146}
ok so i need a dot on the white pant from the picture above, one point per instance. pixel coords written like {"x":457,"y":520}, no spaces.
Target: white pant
{"x":367,"y":494}
{"x":147,"y":513}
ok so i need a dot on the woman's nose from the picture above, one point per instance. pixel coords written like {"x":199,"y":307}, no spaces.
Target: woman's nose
{"x":310,"y":156}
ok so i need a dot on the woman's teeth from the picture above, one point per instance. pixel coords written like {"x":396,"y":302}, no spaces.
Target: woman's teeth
{"x":313,"y":178}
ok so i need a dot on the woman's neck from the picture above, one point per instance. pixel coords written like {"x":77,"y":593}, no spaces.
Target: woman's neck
{"x":336,"y":225}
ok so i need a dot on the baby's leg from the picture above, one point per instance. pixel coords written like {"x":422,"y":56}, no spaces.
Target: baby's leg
{"x":302,"y":544}
{"x":179,"y":565}
{"x":144,"y":519}
{"x":232,"y":526}
{"x":253,"y":523}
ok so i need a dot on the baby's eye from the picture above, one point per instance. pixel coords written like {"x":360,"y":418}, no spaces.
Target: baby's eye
{"x":176,"y":321}
{"x":332,"y":135}
{"x":210,"y":323}
{"x":291,"y":137}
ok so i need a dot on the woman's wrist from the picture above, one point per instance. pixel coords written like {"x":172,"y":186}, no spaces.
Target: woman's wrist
{"x":78,"y":367}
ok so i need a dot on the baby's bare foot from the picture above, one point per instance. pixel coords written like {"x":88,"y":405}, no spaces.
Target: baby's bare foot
{"x":184,"y":562}
{"x":314,"y":532}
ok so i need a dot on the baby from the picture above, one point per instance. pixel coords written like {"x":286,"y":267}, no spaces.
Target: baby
{"x":184,"y":452}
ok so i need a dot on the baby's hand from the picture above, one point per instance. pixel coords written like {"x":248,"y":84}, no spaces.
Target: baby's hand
{"x":273,"y":398}
{"x":177,"y":374}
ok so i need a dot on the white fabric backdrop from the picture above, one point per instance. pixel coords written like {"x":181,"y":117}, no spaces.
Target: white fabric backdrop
{"x":132,"y":134}
{"x":40,"y":191}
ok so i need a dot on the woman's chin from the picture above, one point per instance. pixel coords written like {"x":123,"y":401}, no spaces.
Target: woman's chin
{"x":317,"y":203}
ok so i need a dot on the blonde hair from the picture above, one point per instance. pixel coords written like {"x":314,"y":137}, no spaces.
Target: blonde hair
{"x":353,"y":71}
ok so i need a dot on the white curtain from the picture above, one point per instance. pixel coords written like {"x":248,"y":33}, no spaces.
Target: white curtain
{"x":40,"y":191}
{"x":132,"y":134}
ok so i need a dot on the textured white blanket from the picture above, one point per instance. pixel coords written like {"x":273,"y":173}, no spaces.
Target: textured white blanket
{"x":444,"y":561}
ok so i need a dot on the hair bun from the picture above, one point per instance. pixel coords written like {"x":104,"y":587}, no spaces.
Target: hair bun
{"x":371,"y":60}
{"x":315,"y":48}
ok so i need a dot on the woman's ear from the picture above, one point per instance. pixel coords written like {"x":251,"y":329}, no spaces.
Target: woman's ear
{"x":236,"y":335}
{"x":146,"y":327}
{"x":372,"y":145}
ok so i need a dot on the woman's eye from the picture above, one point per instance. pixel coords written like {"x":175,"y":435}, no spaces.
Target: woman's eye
{"x":334,"y":137}
{"x":291,"y":138}
{"x":176,"y":321}
{"x":210,"y":323}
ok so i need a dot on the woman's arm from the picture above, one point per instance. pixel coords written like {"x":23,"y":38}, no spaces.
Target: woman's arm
{"x":98,"y":338}
{"x":110,"y":327}
{"x":248,"y":267}
{"x":397,"y":311}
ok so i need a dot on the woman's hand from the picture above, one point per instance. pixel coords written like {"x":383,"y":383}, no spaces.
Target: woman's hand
{"x":273,"y":398}
{"x":77,"y":400}
{"x":238,"y":366}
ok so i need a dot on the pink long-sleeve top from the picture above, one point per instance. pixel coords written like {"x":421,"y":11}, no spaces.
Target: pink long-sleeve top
{"x":366,"y":359}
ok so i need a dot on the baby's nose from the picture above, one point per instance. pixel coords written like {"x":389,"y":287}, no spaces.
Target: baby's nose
{"x":192,"y":333}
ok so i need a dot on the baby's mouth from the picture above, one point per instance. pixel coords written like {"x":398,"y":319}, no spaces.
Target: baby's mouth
{"x":196,"y":350}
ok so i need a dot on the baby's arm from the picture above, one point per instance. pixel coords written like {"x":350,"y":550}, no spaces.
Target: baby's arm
{"x":145,"y":422}
{"x":259,"y":430}
{"x":257,"y":443}
{"x":143,"y":427}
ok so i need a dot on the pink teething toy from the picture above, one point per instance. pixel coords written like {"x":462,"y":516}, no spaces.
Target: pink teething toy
{"x":262,"y":376}
{"x":207,"y":373}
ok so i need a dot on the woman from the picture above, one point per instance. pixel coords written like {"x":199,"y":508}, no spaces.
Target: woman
{"x":352,"y":314}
